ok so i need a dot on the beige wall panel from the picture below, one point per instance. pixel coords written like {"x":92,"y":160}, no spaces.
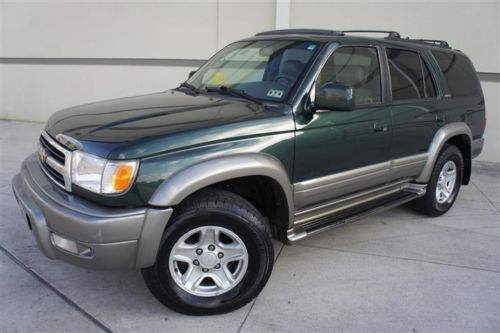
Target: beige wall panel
{"x":491,"y":151}
{"x":34,"y":92}
{"x":470,"y":26}
{"x":109,"y":29}
{"x":241,"y":19}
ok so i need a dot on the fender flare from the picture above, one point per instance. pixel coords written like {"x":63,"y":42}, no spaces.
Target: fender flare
{"x":442,"y":135}
{"x":181,"y":184}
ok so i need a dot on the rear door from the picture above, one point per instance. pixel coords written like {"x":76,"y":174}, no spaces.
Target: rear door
{"x":415,"y":110}
{"x":465,"y":100}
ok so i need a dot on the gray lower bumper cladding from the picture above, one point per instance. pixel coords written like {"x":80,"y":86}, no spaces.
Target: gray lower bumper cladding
{"x":74,"y":230}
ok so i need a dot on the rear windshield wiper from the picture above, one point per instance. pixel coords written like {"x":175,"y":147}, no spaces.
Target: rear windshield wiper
{"x":189,"y":86}
{"x":236,"y":92}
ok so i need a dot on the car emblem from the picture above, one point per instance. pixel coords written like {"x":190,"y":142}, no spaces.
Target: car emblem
{"x":68,"y":141}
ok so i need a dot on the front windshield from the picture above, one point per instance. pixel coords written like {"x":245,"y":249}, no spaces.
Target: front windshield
{"x":264,"y":69}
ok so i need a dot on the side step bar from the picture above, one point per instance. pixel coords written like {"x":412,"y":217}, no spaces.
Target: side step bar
{"x":408,"y":193}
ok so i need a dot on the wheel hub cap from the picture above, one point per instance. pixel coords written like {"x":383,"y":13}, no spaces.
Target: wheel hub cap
{"x":446,"y":182}
{"x":208,"y":260}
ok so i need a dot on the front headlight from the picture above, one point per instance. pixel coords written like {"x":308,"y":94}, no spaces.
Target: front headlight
{"x":99,"y":175}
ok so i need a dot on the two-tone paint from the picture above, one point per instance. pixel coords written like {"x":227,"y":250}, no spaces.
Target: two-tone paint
{"x":322,"y":161}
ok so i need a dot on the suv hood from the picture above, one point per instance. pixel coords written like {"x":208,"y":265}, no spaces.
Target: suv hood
{"x":122,"y":128}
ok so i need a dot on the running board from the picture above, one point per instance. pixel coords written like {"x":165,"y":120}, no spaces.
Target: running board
{"x":409,"y":192}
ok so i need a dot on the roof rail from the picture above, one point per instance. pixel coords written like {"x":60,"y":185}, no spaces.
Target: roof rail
{"x":433,"y":42}
{"x":301,"y":32}
{"x":391,"y":34}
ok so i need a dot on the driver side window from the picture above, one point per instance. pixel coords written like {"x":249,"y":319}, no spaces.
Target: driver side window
{"x":357,"y":67}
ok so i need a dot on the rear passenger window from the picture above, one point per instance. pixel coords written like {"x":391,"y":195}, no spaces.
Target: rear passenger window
{"x":430,"y":87}
{"x":410,"y":77}
{"x":357,"y":67}
{"x":458,"y":72}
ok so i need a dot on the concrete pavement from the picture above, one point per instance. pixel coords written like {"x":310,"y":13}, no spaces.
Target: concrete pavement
{"x":393,"y":272}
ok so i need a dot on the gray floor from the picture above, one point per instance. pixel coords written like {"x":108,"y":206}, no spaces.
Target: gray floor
{"x":393,"y":272}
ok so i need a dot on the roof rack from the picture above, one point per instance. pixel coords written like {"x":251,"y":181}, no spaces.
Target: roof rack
{"x":301,"y":32}
{"x":391,"y":34}
{"x":435,"y":42}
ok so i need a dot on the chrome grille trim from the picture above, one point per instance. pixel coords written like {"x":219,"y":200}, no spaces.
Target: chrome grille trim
{"x":47,"y":173}
{"x":55,"y":165}
{"x":52,"y":162}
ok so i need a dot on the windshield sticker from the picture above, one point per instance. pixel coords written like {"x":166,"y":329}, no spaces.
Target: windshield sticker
{"x":218,"y":78}
{"x":275,"y":93}
{"x":311,"y":47}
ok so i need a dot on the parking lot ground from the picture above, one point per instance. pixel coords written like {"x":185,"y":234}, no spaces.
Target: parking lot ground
{"x":393,"y":272}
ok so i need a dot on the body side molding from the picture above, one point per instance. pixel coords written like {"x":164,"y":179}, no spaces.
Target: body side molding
{"x":313,"y":191}
{"x":442,"y":135}
{"x":205,"y":173}
{"x":316,"y":190}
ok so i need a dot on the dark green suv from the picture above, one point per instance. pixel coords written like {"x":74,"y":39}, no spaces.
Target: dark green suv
{"x":281,"y":135}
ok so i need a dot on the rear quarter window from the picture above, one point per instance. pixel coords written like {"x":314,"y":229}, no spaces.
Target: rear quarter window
{"x":460,"y":75}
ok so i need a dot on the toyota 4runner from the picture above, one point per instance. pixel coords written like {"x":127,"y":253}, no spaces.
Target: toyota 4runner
{"x":281,"y":135}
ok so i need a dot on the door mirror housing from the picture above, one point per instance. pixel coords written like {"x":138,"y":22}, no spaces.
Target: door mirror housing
{"x":335,"y":97}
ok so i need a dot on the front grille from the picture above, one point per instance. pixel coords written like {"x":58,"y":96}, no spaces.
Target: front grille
{"x":55,"y":160}
{"x":59,"y":156}
{"x":58,"y":177}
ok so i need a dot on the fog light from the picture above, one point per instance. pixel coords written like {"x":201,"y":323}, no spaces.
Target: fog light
{"x":65,"y":244}
{"x":71,"y":246}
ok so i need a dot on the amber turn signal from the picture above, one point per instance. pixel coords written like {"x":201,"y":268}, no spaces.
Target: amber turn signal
{"x":122,"y":177}
{"x":118,"y":176}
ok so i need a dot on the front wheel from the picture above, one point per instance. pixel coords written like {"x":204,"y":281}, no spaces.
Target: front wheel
{"x":215,"y":257}
{"x":444,"y":184}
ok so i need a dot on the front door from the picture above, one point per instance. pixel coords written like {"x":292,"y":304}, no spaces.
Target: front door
{"x":339,"y":152}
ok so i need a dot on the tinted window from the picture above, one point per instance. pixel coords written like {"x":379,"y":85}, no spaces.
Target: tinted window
{"x":355,"y":66}
{"x":407,"y":75}
{"x":458,"y":72}
{"x":265,"y":69}
{"x":430,"y":87}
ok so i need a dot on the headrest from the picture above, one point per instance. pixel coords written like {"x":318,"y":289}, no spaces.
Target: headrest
{"x":350,"y":75}
{"x":292,"y":68}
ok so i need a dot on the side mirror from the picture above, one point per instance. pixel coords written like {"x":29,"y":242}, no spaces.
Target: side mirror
{"x":335,"y":97}
{"x":191,"y":74}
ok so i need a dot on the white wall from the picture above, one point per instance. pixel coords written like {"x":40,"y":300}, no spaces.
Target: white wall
{"x":491,"y":150}
{"x":34,"y":92}
{"x":470,"y":26}
{"x":66,"y":52}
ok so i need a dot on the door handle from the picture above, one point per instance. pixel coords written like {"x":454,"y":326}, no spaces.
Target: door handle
{"x":439,"y":118}
{"x":380,"y":127}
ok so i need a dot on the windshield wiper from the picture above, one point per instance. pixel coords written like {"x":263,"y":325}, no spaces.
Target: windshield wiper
{"x":189,"y":86}
{"x":233,"y":91}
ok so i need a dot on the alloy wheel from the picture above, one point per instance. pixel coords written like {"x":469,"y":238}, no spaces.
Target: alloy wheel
{"x":208,"y":261}
{"x":446,"y":182}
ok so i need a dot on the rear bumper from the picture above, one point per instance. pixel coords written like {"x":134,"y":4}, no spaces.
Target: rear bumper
{"x":74,"y":230}
{"x":476,"y":147}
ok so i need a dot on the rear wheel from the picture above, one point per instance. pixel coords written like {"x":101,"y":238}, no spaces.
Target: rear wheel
{"x":444,"y":184}
{"x":215,"y":257}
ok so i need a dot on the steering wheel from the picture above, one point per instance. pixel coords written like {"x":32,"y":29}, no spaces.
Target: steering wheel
{"x":284,"y":80}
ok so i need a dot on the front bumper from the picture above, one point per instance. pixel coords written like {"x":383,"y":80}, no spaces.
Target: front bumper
{"x":98,"y":237}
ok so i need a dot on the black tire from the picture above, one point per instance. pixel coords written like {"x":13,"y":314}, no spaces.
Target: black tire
{"x":428,"y":204}
{"x":214,"y":207}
